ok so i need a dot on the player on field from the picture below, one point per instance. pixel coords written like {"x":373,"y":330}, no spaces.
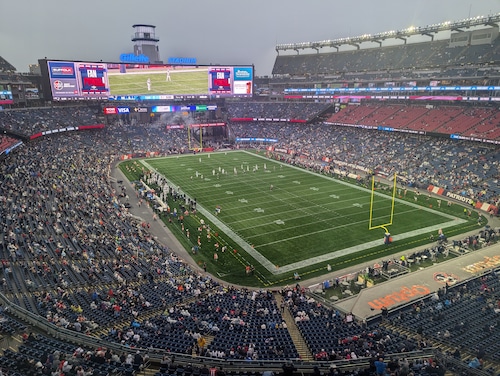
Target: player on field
{"x":168,"y":76}
{"x":148,"y":83}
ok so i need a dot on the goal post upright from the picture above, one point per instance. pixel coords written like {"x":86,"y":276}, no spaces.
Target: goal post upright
{"x":200,"y":129}
{"x":371,"y":203}
{"x":190,"y":129}
{"x":393,"y":200}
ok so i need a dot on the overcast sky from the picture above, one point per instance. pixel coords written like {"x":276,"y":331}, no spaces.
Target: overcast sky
{"x":214,"y":32}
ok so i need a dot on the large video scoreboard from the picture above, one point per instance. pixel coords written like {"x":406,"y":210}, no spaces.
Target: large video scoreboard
{"x":70,"y":80}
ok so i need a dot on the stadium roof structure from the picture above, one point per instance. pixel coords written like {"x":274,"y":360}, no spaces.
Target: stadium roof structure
{"x":5,"y":66}
{"x":429,"y":30}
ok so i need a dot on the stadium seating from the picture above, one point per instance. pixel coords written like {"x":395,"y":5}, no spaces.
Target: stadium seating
{"x":6,"y":142}
{"x":465,"y":316}
{"x":290,"y":110}
{"x":422,"y":161}
{"x":73,"y":256}
{"x":67,"y":245}
{"x":31,"y":121}
{"x":401,"y":59}
{"x":333,"y":335}
{"x":5,"y":66}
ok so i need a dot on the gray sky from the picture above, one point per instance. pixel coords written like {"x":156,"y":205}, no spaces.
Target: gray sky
{"x":215,"y":31}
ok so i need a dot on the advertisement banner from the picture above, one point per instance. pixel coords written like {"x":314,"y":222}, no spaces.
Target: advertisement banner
{"x":488,"y":208}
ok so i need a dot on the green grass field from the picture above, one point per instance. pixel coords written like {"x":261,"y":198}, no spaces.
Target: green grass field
{"x":305,"y":222}
{"x":183,"y":81}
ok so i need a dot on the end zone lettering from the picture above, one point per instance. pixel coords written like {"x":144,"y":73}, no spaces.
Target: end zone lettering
{"x":460,"y":198}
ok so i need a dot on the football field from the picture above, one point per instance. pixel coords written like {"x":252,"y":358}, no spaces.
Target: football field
{"x":288,"y":218}
{"x":182,"y":81}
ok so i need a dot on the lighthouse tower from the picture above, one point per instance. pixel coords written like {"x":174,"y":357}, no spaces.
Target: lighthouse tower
{"x":146,"y":43}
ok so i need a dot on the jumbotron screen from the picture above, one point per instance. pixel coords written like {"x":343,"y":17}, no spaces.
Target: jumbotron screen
{"x":70,"y":80}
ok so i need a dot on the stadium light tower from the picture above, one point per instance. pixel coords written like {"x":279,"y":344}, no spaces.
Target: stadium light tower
{"x":145,"y":42}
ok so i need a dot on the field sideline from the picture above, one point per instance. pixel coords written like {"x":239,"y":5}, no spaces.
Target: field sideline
{"x":306,"y":219}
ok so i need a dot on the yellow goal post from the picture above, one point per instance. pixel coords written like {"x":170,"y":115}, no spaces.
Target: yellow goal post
{"x":393,"y":198}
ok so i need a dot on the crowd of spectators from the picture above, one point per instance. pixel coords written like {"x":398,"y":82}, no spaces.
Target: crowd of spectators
{"x":71,"y":252}
{"x":246,"y":325}
{"x":144,"y":138}
{"x":41,"y":355}
{"x":332,"y":335}
{"x":35,"y":120}
{"x":69,"y":247}
{"x":466,"y":168}
{"x":462,"y":315}
{"x":278,"y":110}
{"x":63,"y":225}
{"x":6,"y":142}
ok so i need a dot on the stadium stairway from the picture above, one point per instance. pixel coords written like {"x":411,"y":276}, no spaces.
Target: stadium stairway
{"x":10,"y":341}
{"x":298,"y":340}
{"x":148,"y":372}
{"x":203,"y":342}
